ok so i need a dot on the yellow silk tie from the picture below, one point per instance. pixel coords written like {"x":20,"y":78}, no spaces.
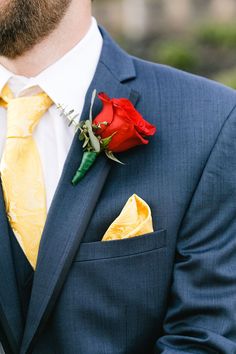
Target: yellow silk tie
{"x":21,"y":170}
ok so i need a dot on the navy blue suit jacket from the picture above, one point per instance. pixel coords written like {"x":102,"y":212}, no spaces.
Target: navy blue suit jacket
{"x":170,"y":291}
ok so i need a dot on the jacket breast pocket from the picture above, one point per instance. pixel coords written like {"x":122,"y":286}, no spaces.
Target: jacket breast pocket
{"x":93,"y":251}
{"x":116,"y":291}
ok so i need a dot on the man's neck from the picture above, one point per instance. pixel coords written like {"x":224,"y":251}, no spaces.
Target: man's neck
{"x":70,"y":31}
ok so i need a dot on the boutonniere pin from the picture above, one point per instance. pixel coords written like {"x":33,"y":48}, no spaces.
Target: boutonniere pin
{"x":117,"y":128}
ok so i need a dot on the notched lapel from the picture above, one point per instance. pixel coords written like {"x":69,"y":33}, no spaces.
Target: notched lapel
{"x":72,"y":207}
{"x":10,"y":311}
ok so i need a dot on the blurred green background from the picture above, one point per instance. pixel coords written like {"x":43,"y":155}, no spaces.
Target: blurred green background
{"x":198,"y":36}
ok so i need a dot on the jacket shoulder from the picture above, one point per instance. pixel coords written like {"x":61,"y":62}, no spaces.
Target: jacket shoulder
{"x":189,"y":85}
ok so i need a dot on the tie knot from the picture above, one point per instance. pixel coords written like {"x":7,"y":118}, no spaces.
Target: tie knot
{"x":23,"y":113}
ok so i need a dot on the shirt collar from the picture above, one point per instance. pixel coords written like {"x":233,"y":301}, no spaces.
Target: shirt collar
{"x":5,"y":75}
{"x":67,"y":80}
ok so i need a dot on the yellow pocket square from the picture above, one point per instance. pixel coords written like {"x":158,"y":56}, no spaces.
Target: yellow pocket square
{"x":135,"y":219}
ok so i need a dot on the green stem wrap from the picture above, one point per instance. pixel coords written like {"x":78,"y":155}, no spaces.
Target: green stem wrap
{"x":88,"y":159}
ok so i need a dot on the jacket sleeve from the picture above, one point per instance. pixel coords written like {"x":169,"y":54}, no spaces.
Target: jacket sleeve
{"x":201,"y":317}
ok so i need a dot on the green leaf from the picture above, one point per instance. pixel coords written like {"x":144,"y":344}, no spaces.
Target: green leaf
{"x":81,"y":136}
{"x":93,"y":139}
{"x":99,"y":125}
{"x":91,"y":106}
{"x":73,"y":121}
{"x":86,"y":141}
{"x":105,"y":142}
{"x":112,"y":157}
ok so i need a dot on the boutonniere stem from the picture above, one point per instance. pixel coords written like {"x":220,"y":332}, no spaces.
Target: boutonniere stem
{"x":117,"y":128}
{"x":88,"y":160}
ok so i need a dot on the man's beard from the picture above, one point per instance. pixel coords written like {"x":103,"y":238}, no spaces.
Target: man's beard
{"x":24,"y":23}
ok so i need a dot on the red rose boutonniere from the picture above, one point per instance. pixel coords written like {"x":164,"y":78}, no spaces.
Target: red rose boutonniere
{"x":119,"y":127}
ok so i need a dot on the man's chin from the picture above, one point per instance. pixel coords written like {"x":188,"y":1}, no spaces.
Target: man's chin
{"x":25,"y":23}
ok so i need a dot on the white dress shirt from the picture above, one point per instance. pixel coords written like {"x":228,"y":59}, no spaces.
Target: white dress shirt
{"x":66,"y":82}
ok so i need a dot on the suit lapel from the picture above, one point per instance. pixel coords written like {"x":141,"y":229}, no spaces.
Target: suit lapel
{"x":10,"y":313}
{"x":72,"y":207}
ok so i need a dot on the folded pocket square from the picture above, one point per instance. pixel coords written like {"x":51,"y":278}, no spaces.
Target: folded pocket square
{"x":135,"y":219}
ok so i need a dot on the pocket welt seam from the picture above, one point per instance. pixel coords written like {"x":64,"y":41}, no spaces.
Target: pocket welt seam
{"x":121,"y":256}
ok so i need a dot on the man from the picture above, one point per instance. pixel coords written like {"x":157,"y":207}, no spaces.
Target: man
{"x":169,"y":291}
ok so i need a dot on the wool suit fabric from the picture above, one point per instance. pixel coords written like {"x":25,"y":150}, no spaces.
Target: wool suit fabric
{"x":170,"y":291}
